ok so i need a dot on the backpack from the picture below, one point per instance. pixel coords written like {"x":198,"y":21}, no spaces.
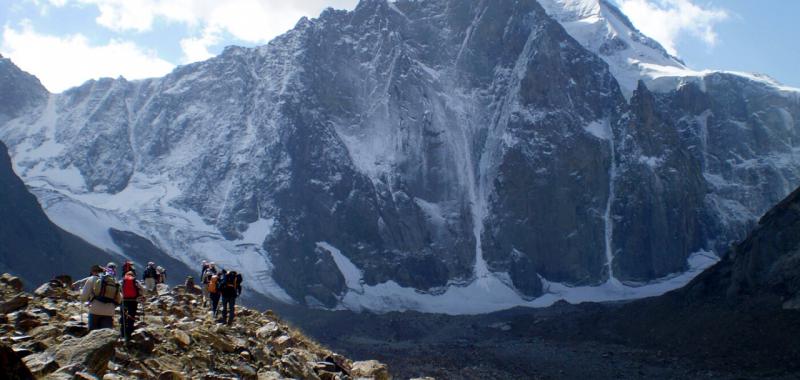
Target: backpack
{"x":129,"y":288}
{"x":212,"y":284}
{"x":231,"y":281}
{"x":106,"y":289}
{"x":150,"y":272}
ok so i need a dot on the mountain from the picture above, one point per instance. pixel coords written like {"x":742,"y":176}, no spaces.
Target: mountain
{"x":739,"y":315}
{"x":444,"y":156}
{"x":30,"y":244}
{"x":603,"y":29}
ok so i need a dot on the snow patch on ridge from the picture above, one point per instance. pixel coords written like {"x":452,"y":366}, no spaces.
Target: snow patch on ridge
{"x":257,"y":231}
{"x":491,"y":293}
{"x":600,"y":129}
{"x":144,"y":208}
{"x":631,"y":56}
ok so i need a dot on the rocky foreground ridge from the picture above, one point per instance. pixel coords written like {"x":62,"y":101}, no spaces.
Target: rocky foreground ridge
{"x":44,"y":336}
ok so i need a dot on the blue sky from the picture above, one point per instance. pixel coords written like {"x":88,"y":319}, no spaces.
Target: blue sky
{"x":66,"y":42}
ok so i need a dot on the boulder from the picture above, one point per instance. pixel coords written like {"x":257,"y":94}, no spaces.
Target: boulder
{"x":49,"y":289}
{"x":91,"y":352}
{"x":372,"y":369}
{"x":12,"y":281}
{"x":282,"y":342}
{"x":245,"y":371}
{"x":293,"y":365}
{"x":216,"y":340}
{"x":20,"y":301}
{"x":267,"y":330}
{"x":183,"y":339}
{"x":41,"y":364}
{"x":142,"y":341}
{"x":11,"y":366}
{"x":44,"y":332}
{"x":22,"y":352}
{"x":76,"y":329}
{"x":24,"y":320}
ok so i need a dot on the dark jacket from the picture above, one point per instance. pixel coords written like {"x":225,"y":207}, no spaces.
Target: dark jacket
{"x":231,"y":285}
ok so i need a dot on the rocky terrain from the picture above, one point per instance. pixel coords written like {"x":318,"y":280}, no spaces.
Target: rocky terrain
{"x":450,"y":156}
{"x":43,"y":335}
{"x":739,"y":319}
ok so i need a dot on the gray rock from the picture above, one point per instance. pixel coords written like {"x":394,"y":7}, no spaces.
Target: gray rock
{"x":41,"y":364}
{"x":20,"y":301}
{"x":12,"y":366}
{"x":91,"y":352}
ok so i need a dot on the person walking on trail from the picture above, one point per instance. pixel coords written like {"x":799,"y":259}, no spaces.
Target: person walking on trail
{"x":208,"y":271}
{"x":161,"y":275}
{"x":231,"y":288}
{"x":214,"y":291}
{"x":103,"y":294}
{"x":131,"y":292}
{"x":128,"y":267}
{"x":111,"y":270}
{"x":203,"y":268}
{"x":150,"y":277}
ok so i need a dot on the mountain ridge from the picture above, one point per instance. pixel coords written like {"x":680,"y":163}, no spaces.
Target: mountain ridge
{"x":363,"y":133}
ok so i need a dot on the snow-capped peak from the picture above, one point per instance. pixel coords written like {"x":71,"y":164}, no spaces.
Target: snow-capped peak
{"x":603,"y":29}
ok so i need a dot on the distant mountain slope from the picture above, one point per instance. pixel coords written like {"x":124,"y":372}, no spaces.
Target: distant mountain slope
{"x":450,"y":156}
{"x":744,"y":312}
{"x":31,"y":246}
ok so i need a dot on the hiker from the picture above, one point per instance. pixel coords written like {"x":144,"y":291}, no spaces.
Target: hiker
{"x":131,"y":292}
{"x":161,"y":275}
{"x":128,"y":267}
{"x":111,"y":270}
{"x":231,"y":287}
{"x":203,"y":268}
{"x":103,"y":294}
{"x":150,"y":276}
{"x":209,"y":270}
{"x":213,"y":288}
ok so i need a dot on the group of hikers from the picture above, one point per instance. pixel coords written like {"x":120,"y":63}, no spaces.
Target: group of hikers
{"x":105,"y":291}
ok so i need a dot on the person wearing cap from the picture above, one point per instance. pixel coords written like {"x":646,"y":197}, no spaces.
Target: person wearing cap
{"x":111,"y":269}
{"x":103,"y":299}
{"x":205,"y":276}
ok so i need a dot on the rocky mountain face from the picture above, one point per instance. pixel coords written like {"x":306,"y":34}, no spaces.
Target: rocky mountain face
{"x":763,"y":269}
{"x":419,"y":155}
{"x":19,"y":90}
{"x":30,"y":244}
{"x":44,"y":335}
{"x":743,"y":313}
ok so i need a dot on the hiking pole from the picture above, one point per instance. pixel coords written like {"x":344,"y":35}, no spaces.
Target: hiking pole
{"x":124,"y":321}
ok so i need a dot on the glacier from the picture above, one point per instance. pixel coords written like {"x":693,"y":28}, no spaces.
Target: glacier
{"x":444,"y":156}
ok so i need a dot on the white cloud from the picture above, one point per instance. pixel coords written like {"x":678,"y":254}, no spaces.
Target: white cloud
{"x":61,"y":62}
{"x":254,"y":21}
{"x":196,"y":48}
{"x":667,"y":20}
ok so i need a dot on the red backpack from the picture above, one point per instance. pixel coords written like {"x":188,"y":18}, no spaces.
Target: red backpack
{"x":129,"y":289}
